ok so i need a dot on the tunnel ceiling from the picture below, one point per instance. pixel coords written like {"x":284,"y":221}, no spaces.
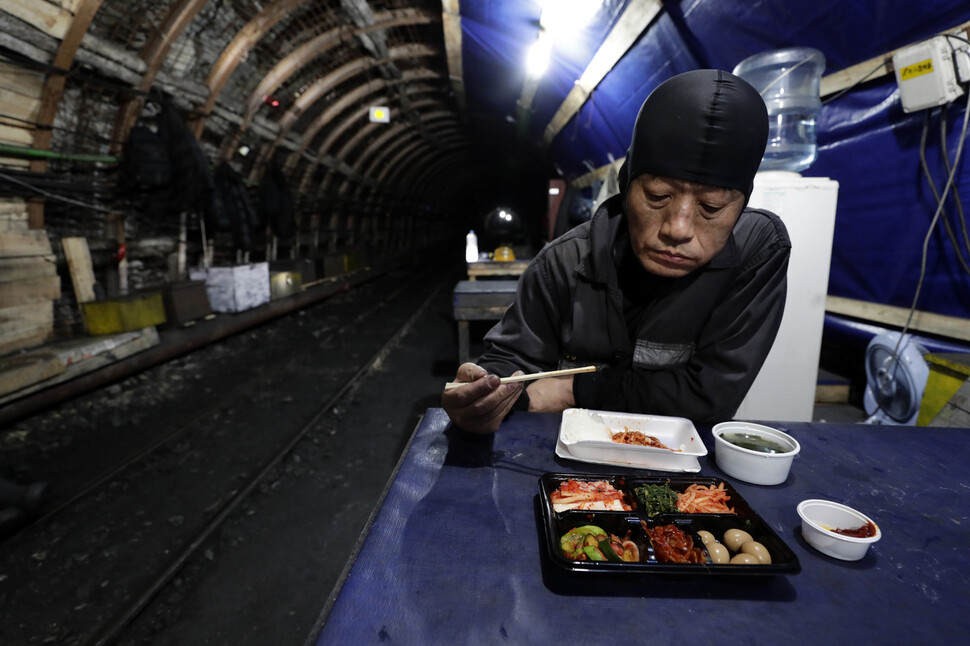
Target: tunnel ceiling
{"x":294,"y":81}
{"x":291,"y":81}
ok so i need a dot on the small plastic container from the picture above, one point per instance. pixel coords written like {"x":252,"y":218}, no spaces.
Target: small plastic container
{"x":471,"y":247}
{"x":586,"y":435}
{"x":819,"y":517}
{"x":751,"y":465}
{"x":788,"y":80}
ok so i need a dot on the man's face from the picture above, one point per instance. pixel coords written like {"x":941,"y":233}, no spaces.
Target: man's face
{"x":677,"y":226}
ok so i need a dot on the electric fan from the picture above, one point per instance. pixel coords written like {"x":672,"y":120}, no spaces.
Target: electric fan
{"x":896,"y":375}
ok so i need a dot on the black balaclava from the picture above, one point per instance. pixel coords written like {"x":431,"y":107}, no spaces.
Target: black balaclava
{"x":704,"y":126}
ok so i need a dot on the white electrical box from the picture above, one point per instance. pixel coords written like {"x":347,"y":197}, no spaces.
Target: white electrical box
{"x":926,"y":75}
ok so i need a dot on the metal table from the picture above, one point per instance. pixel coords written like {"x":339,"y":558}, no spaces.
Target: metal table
{"x":455,"y":553}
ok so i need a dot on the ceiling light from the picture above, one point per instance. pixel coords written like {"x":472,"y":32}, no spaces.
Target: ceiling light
{"x":560,"y":17}
{"x":538,"y":58}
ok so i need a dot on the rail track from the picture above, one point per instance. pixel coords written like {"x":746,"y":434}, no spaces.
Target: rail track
{"x":111,"y":560}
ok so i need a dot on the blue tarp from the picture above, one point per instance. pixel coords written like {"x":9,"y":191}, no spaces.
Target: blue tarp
{"x":866,"y":142}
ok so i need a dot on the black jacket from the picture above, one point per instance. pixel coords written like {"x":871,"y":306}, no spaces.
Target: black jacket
{"x":687,"y":347}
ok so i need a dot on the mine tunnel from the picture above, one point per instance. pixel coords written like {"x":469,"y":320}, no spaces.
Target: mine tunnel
{"x":262,"y":261}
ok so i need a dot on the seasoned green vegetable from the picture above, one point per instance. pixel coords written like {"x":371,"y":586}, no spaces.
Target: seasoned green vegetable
{"x":656,"y":499}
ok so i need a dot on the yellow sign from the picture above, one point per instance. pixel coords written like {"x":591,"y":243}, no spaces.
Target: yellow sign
{"x":380,"y":114}
{"x":916,"y":69}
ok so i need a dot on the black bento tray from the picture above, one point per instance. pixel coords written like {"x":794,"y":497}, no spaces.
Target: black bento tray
{"x":555,"y":524}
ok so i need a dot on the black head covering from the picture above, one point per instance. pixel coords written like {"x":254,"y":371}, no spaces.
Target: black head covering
{"x":704,"y":126}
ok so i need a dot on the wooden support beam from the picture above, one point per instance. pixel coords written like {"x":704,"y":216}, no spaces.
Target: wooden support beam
{"x":238,"y":49}
{"x":873,"y":68}
{"x":451,"y":24}
{"x":52,"y":92}
{"x":154,"y":52}
{"x":634,"y":21}
{"x":946,"y":326}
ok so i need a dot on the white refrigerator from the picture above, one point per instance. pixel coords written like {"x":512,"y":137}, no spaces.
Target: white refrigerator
{"x":785,"y":388}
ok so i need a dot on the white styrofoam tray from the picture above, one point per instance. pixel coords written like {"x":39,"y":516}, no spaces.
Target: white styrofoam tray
{"x":581,"y":437}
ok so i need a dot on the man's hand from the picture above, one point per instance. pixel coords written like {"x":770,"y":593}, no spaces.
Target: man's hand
{"x":481,"y":404}
{"x":551,"y":395}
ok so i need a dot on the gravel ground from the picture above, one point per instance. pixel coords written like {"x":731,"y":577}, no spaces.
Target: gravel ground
{"x":264,"y":577}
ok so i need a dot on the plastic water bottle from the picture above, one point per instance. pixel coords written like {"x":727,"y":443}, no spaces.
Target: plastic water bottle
{"x":788,"y":80}
{"x":471,"y":247}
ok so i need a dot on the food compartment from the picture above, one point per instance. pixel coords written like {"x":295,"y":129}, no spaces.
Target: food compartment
{"x":563,"y":493}
{"x":596,"y":541}
{"x":730,"y":545}
{"x":692,"y":495}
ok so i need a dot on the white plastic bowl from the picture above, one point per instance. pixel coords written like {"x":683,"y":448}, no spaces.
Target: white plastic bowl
{"x":817,"y":515}
{"x":754,"y":466}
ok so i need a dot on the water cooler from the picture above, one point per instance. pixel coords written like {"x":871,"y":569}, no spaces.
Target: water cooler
{"x":785,"y":388}
{"x":788,"y":80}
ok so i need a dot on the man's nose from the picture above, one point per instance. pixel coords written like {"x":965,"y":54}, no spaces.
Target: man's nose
{"x":678,"y":224}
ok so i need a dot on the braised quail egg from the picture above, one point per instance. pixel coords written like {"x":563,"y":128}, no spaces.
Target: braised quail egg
{"x":718,"y":553}
{"x":735,"y":538}
{"x":706,"y":537}
{"x":757,"y":550}
{"x":743,"y":559}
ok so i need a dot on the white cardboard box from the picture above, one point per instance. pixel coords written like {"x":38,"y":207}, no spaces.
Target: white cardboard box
{"x":235,"y":289}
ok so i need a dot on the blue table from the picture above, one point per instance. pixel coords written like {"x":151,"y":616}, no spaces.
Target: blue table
{"x":455,"y":554}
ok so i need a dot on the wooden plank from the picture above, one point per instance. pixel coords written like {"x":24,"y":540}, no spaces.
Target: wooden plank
{"x":873,"y":68}
{"x":26,"y":316}
{"x":48,"y":17}
{"x":24,"y":243}
{"x":942,"y":325}
{"x":25,"y":370}
{"x":13,"y":205}
{"x":35,"y":290}
{"x":27,"y":339}
{"x":17,"y":106}
{"x":597,"y":175}
{"x":496,"y":268}
{"x":81,"y":356}
{"x":25,"y":326}
{"x":634,"y":21}
{"x":20,"y":83}
{"x":15,"y":133}
{"x":79,"y":262}
{"x":451,"y":26}
{"x":12,"y":223}
{"x":17,"y":269}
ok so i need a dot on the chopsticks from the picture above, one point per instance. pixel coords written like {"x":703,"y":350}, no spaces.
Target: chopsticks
{"x":535,"y":375}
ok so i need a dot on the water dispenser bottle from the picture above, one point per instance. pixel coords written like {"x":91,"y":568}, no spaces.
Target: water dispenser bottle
{"x":788,"y":80}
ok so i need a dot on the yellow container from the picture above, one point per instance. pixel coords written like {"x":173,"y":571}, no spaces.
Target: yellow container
{"x":124,"y":314}
{"x":947,"y":373}
{"x":284,"y":283}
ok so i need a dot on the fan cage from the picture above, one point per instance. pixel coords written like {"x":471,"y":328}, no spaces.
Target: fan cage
{"x":894,"y":386}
